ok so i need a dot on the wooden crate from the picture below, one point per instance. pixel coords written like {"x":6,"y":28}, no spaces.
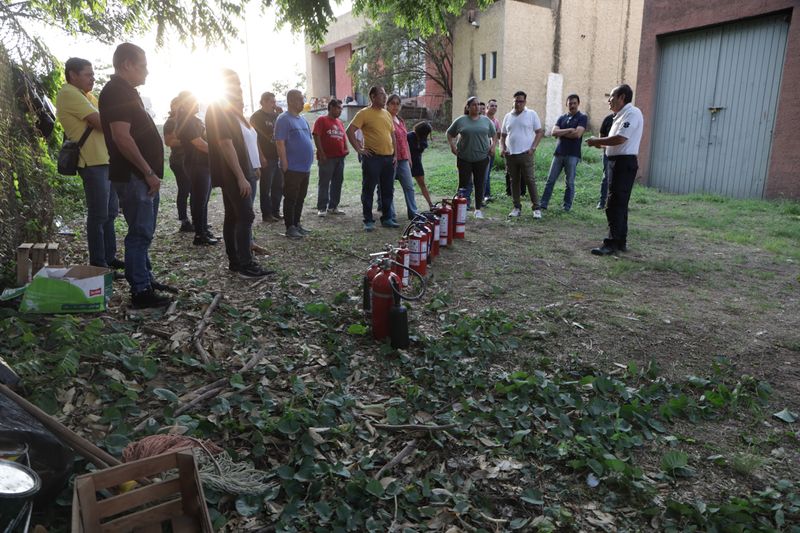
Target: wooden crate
{"x":32,"y":257}
{"x":178,"y":502}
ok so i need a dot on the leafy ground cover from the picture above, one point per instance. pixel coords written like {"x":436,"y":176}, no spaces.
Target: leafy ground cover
{"x":545,"y":389}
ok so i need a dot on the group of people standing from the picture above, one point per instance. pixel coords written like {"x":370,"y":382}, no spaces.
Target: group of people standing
{"x":474,"y":136}
{"x":122,"y":162}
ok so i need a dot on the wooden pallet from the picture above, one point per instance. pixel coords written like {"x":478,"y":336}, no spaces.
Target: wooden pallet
{"x":32,"y":257}
{"x":178,"y":501}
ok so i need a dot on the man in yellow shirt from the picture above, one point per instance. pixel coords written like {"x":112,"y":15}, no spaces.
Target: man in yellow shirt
{"x":377,"y":152}
{"x":77,"y":110}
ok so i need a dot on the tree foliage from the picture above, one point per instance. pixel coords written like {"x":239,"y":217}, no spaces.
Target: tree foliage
{"x":399,"y":59}
{"x":423,"y":17}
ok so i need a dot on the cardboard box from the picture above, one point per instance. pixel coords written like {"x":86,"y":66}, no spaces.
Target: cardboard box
{"x":75,"y":289}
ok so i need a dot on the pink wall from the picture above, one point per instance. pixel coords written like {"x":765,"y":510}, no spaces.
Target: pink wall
{"x":667,"y":16}
{"x":344,"y":84}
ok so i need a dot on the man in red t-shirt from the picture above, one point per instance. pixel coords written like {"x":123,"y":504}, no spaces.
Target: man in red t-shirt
{"x":331,"y":142}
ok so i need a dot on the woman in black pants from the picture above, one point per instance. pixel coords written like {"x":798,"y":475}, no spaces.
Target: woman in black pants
{"x":192,"y":134}
{"x":476,"y":137}
{"x":176,"y":160}
{"x":232,"y":169}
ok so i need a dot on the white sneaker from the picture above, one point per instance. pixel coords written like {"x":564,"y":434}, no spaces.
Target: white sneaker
{"x":335,"y":211}
{"x":537,"y":213}
{"x":478,"y":214}
{"x":322,"y":213}
{"x":514,"y":212}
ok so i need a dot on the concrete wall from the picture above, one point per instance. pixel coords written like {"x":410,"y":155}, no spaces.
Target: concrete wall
{"x":317,"y":78}
{"x":469,"y":43}
{"x":339,"y":42}
{"x":344,"y":83}
{"x":663,"y":17}
{"x":528,"y":52}
{"x":592,"y":44}
{"x":598,"y":48}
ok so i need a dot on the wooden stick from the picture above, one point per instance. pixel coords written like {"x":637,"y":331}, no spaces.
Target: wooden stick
{"x":206,"y":395}
{"x":414,"y":427}
{"x":82,"y":446}
{"x":201,"y":328}
{"x":405,"y":452}
{"x":202,"y":352}
{"x":157,"y":332}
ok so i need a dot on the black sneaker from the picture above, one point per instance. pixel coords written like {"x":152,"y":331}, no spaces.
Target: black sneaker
{"x":186,"y":227}
{"x":148,"y":299}
{"x":253,"y":271}
{"x":163,"y":287}
{"x":116,"y":264}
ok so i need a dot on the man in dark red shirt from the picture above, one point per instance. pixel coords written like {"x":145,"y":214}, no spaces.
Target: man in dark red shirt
{"x":331,"y":143}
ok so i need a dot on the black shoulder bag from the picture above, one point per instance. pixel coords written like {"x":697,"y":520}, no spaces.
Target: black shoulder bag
{"x":70,"y":153}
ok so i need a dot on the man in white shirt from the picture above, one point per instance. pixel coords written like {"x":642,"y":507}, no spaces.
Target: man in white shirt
{"x":622,"y":147}
{"x":520,"y":135}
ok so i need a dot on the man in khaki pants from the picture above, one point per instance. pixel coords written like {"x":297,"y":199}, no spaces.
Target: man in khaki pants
{"x":520,"y":135}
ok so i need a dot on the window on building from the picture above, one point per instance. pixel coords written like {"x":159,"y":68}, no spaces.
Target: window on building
{"x":483,"y":67}
{"x":332,"y":75}
{"x":493,"y":69}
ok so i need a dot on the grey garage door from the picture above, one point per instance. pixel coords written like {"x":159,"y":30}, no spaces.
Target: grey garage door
{"x":715,"y":109}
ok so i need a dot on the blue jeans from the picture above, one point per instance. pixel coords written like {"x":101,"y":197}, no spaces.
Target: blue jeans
{"x":568,"y":163}
{"x":141,"y":212}
{"x":271,"y":184}
{"x":331,"y":176}
{"x":402,"y":173}
{"x":376,"y":169}
{"x":102,"y":207}
{"x":604,"y":183}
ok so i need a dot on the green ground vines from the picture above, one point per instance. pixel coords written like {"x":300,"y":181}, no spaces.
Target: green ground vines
{"x":523,"y":440}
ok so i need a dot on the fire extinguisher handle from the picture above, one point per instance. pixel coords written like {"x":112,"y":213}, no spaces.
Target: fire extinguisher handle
{"x":422,"y":280}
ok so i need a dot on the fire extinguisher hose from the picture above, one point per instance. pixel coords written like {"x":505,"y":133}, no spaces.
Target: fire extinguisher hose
{"x":422,"y":280}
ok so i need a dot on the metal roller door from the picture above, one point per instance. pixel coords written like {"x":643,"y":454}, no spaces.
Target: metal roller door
{"x":715,"y":109}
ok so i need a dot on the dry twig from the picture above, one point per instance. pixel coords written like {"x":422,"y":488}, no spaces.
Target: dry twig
{"x":405,"y":452}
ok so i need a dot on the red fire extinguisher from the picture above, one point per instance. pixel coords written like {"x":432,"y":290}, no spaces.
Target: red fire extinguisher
{"x":389,"y":316}
{"x":445,"y":233}
{"x":417,"y":242}
{"x":427,"y":228}
{"x":434,"y":219}
{"x":402,"y":259}
{"x":369,"y":276}
{"x":460,"y":203}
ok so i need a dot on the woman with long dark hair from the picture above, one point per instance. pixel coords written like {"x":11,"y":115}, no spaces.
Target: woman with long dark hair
{"x":402,"y":169}
{"x":192,"y":134}
{"x":476,"y":138}
{"x":176,"y":161}
{"x":231,"y":140}
{"x":417,"y":143}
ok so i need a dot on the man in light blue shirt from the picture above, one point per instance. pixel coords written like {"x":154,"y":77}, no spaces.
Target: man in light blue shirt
{"x":296,"y":154}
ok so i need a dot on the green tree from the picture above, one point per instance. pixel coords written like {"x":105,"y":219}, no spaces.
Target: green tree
{"x":424,"y":17}
{"x":399,"y":59}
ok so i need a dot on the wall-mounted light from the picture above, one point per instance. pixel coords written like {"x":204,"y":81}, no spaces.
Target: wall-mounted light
{"x":472,"y":18}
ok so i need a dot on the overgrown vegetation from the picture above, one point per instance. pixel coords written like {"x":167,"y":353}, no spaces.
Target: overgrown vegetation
{"x":515,"y":442}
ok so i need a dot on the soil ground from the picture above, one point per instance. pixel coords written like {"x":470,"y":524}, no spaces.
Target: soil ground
{"x":704,"y":278}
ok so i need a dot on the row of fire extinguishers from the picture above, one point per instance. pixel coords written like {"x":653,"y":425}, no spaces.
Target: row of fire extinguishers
{"x":389,"y":273}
